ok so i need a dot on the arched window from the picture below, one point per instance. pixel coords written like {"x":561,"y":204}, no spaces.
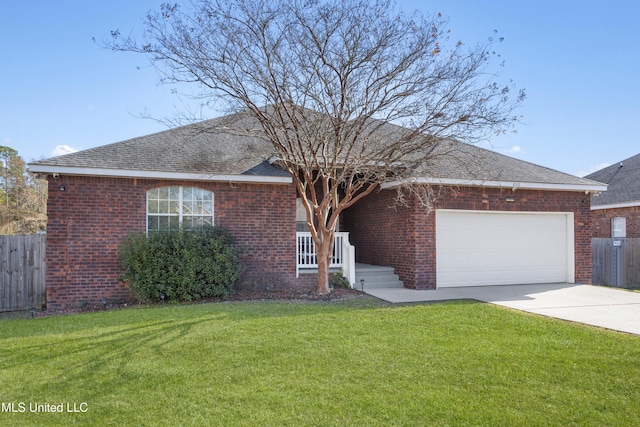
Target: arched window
{"x":170,"y":207}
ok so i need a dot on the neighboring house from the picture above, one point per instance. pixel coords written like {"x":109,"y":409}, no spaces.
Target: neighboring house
{"x":500,"y":220}
{"x":616,"y":213}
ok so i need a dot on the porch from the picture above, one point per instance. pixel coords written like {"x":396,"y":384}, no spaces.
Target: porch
{"x":344,"y":255}
{"x":360,"y":276}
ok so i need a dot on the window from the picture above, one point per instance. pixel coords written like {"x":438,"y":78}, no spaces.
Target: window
{"x":619,"y":227}
{"x":170,"y":207}
{"x":301,"y":216}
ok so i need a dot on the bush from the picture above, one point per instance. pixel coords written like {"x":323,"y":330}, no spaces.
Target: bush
{"x":339,"y":281}
{"x":181,"y":265}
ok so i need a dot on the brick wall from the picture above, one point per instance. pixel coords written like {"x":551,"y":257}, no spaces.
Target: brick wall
{"x":601,"y":219}
{"x":88,"y":220}
{"x":384,"y":233}
{"x":404,"y":237}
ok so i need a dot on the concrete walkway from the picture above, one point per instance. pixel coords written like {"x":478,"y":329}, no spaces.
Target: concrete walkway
{"x":615,"y":309}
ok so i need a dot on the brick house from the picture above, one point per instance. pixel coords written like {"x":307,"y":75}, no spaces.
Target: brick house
{"x":498,"y":220}
{"x":616,"y":213}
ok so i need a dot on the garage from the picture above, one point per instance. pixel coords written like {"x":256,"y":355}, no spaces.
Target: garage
{"x":481,"y":248}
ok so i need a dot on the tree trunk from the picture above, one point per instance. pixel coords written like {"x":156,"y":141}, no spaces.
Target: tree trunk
{"x":324,"y":251}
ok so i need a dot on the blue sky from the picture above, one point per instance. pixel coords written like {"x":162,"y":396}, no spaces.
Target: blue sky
{"x":579,"y":62}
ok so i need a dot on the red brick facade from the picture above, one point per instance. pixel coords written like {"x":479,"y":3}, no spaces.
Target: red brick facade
{"x":88,"y":220}
{"x":601,"y":219}
{"x":404,"y":237}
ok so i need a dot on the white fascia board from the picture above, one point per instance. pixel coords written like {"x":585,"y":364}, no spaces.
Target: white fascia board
{"x":500,"y":184}
{"x":124,"y":173}
{"x":616,"y":205}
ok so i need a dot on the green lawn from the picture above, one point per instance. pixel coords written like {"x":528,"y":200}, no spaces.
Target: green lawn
{"x":352,"y":363}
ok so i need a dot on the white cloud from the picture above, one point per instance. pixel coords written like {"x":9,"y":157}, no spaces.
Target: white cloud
{"x":516,"y":149}
{"x":591,"y":169}
{"x":62,"y":149}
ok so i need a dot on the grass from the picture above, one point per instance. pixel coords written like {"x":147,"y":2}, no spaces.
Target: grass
{"x":352,"y":363}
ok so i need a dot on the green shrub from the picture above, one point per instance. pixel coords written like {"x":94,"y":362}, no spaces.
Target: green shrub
{"x":181,"y":265}
{"x":339,"y":281}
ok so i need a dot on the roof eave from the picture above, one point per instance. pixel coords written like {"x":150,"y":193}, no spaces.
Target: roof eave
{"x":587,"y":188}
{"x":127,"y":173}
{"x":615,"y":205}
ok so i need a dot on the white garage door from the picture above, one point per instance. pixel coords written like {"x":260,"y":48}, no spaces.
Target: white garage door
{"x":480,"y":248}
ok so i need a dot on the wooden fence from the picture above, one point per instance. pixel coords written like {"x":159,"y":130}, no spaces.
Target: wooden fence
{"x":616,"y":262}
{"x":22,"y":278}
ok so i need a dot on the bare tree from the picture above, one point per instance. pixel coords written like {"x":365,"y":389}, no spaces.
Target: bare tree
{"x":23,"y":197}
{"x":350,"y":93}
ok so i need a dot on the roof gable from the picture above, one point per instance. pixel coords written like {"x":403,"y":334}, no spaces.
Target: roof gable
{"x":623,"y":180}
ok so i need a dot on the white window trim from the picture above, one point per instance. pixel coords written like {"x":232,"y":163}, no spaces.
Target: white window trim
{"x":619,"y":227}
{"x":181,"y":213}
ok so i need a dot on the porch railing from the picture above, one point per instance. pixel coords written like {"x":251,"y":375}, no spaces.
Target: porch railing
{"x":343,"y":254}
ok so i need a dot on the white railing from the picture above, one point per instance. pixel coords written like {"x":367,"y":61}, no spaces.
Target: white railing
{"x":343,"y":254}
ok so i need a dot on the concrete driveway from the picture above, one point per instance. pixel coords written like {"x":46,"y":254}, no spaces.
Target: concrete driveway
{"x":615,"y":309}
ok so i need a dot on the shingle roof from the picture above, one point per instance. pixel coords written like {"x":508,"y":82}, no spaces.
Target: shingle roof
{"x":623,"y":179}
{"x":216,"y":147}
{"x":457,"y":161}
{"x":470,"y":162}
{"x":200,"y":148}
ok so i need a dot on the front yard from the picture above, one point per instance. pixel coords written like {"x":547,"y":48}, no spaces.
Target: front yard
{"x":355,"y":362}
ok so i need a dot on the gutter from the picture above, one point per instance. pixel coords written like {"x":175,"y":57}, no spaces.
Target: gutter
{"x":616,"y":205}
{"x":587,"y":188}
{"x":125,"y":173}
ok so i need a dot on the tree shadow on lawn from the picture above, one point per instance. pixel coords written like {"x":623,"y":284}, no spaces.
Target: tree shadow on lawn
{"x":87,"y":364}
{"x":143,"y":361}
{"x":89,"y":345}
